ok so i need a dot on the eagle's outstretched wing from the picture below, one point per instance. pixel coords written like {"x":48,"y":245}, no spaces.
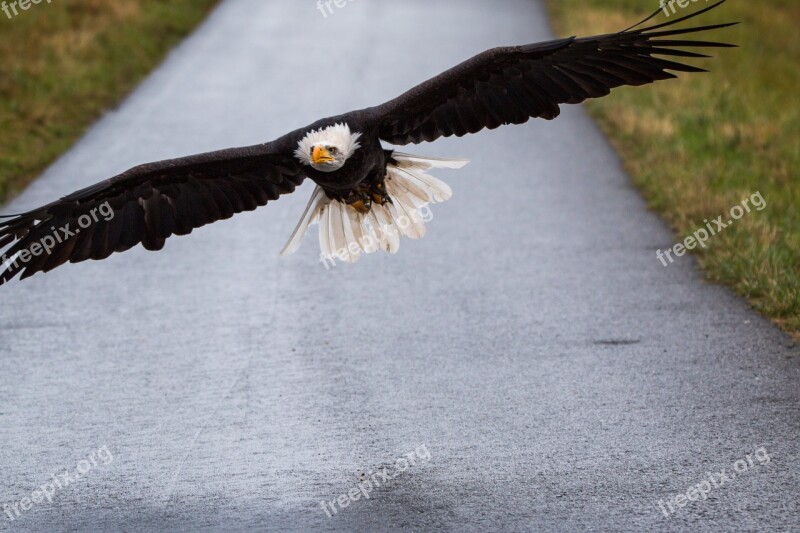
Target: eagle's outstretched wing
{"x":510,"y":85}
{"x":147,"y":204}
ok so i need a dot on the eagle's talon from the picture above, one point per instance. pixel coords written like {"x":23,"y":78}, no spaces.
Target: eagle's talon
{"x":362,"y":205}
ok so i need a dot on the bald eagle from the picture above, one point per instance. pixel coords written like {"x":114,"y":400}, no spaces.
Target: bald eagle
{"x":367,"y":196}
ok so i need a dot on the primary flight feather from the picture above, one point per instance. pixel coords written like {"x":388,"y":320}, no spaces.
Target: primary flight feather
{"x":366,"y":195}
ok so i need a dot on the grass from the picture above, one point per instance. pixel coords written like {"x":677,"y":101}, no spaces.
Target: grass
{"x":701,"y":144}
{"x":63,"y":64}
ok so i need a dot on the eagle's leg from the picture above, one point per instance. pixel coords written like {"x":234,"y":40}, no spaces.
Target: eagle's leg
{"x":362,"y":197}
{"x":378,"y":193}
{"x":359,"y":201}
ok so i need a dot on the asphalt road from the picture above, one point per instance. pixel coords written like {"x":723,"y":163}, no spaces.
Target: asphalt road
{"x":543,"y":368}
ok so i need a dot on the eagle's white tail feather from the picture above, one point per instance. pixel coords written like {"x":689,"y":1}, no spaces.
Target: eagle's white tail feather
{"x":357,"y":226}
{"x":310,"y":215}
{"x":350,"y":236}
{"x":405,"y":212}
{"x":427,"y":162}
{"x":338,"y":236}
{"x":324,"y":230}
{"x":417,"y":193}
{"x":375,"y":240}
{"x":389,"y":241}
{"x":435,"y":190}
{"x":346,"y":234}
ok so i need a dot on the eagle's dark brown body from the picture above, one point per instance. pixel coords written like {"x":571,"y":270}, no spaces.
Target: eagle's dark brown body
{"x":368,"y":163}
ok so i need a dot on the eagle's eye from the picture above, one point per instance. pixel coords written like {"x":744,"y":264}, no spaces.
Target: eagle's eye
{"x":333,"y":150}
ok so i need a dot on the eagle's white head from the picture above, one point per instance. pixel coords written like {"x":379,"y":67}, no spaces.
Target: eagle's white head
{"x":327,"y":149}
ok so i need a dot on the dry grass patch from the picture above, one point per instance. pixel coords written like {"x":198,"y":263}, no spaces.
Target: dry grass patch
{"x":63,"y":64}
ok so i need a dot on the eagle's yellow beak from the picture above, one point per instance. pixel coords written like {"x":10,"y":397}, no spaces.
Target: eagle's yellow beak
{"x":321,"y":155}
